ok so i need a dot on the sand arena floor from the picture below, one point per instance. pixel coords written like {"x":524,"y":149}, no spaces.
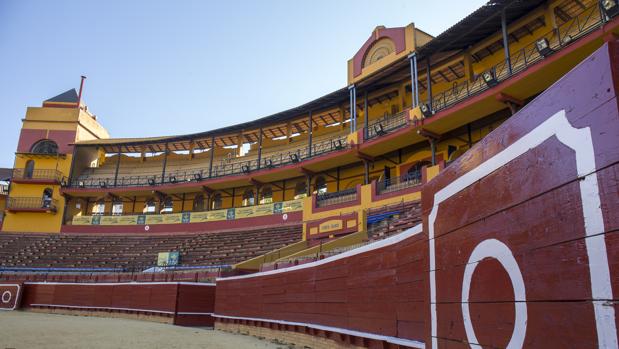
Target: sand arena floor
{"x":24,"y":330}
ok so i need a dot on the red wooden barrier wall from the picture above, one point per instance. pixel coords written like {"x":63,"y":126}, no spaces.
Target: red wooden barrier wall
{"x":189,"y":304}
{"x":519,"y":245}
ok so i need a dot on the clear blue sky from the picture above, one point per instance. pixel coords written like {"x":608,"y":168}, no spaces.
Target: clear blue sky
{"x":173,"y":67}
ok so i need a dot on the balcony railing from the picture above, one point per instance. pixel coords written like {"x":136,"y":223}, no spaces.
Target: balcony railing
{"x":37,"y":175}
{"x":387,"y":124}
{"x":31,"y":203}
{"x":327,"y":199}
{"x":586,"y":21}
{"x":398,"y":183}
{"x":223,"y":168}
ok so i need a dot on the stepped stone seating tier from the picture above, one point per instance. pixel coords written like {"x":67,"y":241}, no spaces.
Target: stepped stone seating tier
{"x":132,"y":252}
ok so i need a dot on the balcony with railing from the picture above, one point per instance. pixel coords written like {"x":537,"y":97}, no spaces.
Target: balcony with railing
{"x":386,"y":125}
{"x":31,"y":204}
{"x":221,"y":167}
{"x":567,"y":33}
{"x":21,"y":175}
{"x":393,"y":184}
{"x":339,"y":197}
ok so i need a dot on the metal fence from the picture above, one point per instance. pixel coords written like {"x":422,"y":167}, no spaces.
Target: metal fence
{"x":327,"y":199}
{"x":31,"y":203}
{"x":386,"y":125}
{"x":54,"y":175}
{"x":392,"y":184}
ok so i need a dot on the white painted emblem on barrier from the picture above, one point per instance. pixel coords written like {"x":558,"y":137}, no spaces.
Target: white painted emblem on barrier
{"x":6,"y":297}
{"x":146,"y":227}
{"x":579,"y":140}
{"x":492,"y":248}
{"x":285,"y":216}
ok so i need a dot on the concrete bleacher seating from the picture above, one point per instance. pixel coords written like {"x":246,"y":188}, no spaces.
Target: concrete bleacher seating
{"x":130,"y":252}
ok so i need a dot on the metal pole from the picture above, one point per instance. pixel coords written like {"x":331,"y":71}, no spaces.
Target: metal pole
{"x":433,"y":148}
{"x":429,"y":83}
{"x":416,"y":80}
{"x":117,"y":167}
{"x":365,"y":114}
{"x":310,"y":132}
{"x":165,"y":161}
{"x":354,"y":97}
{"x":508,"y":62}
{"x":210,"y":166}
{"x":259,"y":149}
{"x":366,"y":172}
{"x":350,"y":91}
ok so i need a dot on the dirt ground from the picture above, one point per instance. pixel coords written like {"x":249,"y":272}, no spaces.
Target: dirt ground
{"x":24,"y":330}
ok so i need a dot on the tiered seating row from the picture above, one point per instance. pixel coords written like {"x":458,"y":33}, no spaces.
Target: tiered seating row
{"x":131,"y":252}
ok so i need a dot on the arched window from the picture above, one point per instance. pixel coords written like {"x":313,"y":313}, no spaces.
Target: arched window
{"x":198,"y":203}
{"x":414,"y":172}
{"x":117,"y":208}
{"x":149,"y":206}
{"x":217,"y":202}
{"x":29,"y":169}
{"x":300,"y":190}
{"x":321,"y":185}
{"x":248,"y":198}
{"x":45,"y":146}
{"x":98,"y":209}
{"x":266,"y":195}
{"x":168,"y":206}
{"x":47,"y":197}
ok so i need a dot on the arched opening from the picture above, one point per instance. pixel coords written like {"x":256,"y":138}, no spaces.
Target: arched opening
{"x":266,"y":195}
{"x":198,"y":203}
{"x":47,"y":197}
{"x":320,"y":185}
{"x":117,"y":207}
{"x":29,"y":169}
{"x":168,"y":205}
{"x":45,"y":146}
{"x":300,"y":190}
{"x":217,"y":202}
{"x":248,"y":198}
{"x":149,"y":206}
{"x":414,"y":172}
{"x":98,"y":209}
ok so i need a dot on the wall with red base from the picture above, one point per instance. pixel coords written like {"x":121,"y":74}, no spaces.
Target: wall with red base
{"x":519,"y":246}
{"x":186,"y":303}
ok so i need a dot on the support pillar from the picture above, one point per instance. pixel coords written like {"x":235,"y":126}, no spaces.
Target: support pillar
{"x":210,"y":165}
{"x":433,"y":149}
{"x":429,"y":83}
{"x":310,"y":132}
{"x":259,"y":164}
{"x":117,"y":167}
{"x":414,"y":80}
{"x":508,"y":62}
{"x":165,"y":161}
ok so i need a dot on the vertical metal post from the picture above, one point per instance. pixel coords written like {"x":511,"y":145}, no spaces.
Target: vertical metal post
{"x":354,"y":98}
{"x":433,"y":149}
{"x":429,"y":83}
{"x":165,"y":161}
{"x":366,"y":172}
{"x":117,"y":168}
{"x":259,"y":149}
{"x":470,"y":135}
{"x":308,"y":185}
{"x":416,"y":79}
{"x":350,"y":91}
{"x":233,"y":196}
{"x":284,"y":190}
{"x":337,"y":179}
{"x":508,"y":62}
{"x":414,"y":88}
{"x":210,"y":166}
{"x":365,"y":115}
{"x":183,"y":203}
{"x":310,"y":133}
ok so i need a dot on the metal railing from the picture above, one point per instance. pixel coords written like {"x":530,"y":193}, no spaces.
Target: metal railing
{"x":233,"y":166}
{"x":17,"y":203}
{"x":386,"y":124}
{"x":327,"y":199}
{"x":53,"y":175}
{"x":392,"y":184}
{"x":586,"y":21}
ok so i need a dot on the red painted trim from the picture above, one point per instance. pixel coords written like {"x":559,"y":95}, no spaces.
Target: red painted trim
{"x":43,"y":210}
{"x":35,"y":181}
{"x":397,"y":35}
{"x":184,"y":228}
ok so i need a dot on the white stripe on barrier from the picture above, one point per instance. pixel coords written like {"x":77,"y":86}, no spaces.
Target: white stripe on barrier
{"x":100,"y":308}
{"x":389,"y":339}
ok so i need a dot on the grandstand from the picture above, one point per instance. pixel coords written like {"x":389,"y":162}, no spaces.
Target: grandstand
{"x":320,"y":222}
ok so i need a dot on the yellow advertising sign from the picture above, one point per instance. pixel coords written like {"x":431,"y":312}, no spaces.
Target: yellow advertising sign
{"x":294,"y":205}
{"x":127,"y":220}
{"x":154,"y":219}
{"x":330,"y":225}
{"x":245,"y":212}
{"x":109,"y":220}
{"x":199,"y":217}
{"x":82,"y":220}
{"x":173,"y":218}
